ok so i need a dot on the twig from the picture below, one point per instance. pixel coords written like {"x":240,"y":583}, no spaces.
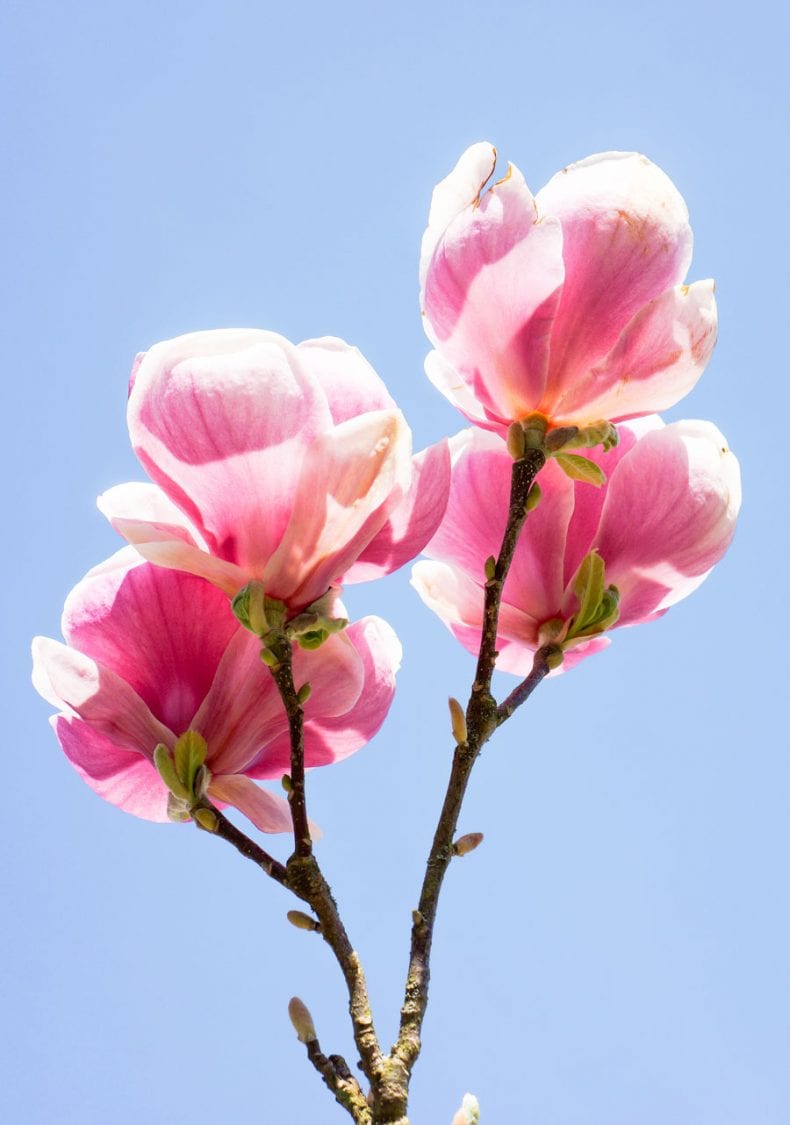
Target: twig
{"x":482,"y":719}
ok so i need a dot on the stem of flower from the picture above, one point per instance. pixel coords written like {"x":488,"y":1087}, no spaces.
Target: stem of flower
{"x":248,"y":848}
{"x":482,"y":718}
{"x":305,"y":878}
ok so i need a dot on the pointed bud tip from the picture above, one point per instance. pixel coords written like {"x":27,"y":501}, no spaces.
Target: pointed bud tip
{"x":467,"y":843}
{"x":303,"y":921}
{"x":458,"y":721}
{"x":302,"y":1021}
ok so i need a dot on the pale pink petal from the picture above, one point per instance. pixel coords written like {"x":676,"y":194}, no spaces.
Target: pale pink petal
{"x":347,"y":379}
{"x":352,"y":478}
{"x":69,"y":680}
{"x":625,"y":240}
{"x":175,"y":554}
{"x":243,"y":713}
{"x":659,"y":357}
{"x":458,"y":601}
{"x":453,"y":194}
{"x":143,"y":505}
{"x":267,"y":812}
{"x":491,"y":292}
{"x":163,"y":632}
{"x":221,"y":420}
{"x":125,"y":779}
{"x":413,"y":522}
{"x":449,"y":383}
{"x":669,"y":515}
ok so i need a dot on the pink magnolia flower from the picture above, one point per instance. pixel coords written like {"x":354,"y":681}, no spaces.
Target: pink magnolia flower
{"x":282,"y":463}
{"x":570,"y":304}
{"x":152,"y":653}
{"x":664,"y":517}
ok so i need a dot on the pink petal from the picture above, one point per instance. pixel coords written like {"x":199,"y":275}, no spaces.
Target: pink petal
{"x":267,"y":812}
{"x":413,"y":522}
{"x":491,"y":292}
{"x":221,"y":420}
{"x":243,"y":713}
{"x":69,"y":680}
{"x":453,"y":194}
{"x":658,"y":542}
{"x":163,"y":632}
{"x":127,"y":780}
{"x":658,"y":358}
{"x":625,"y":240}
{"x":332,"y":736}
{"x":352,"y":478}
{"x":143,"y":505}
{"x":349,"y":382}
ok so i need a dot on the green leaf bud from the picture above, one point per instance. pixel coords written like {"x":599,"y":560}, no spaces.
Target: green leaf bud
{"x":515,"y":441}
{"x":533,"y":497}
{"x":177,"y":809}
{"x":304,"y":693}
{"x":534,"y":428}
{"x":269,"y":658}
{"x":286,"y":783}
{"x":561,"y":438}
{"x":206,"y":818}
{"x":490,"y":568}
{"x":189,"y":755}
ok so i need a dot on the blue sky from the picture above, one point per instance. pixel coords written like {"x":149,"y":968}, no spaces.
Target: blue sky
{"x":616,"y":951}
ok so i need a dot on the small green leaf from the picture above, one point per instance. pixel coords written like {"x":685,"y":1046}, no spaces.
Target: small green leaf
{"x":167,"y":771}
{"x":588,"y":588}
{"x":581,"y":468}
{"x":190,"y":754}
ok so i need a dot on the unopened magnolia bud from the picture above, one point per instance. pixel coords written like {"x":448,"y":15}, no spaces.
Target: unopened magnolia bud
{"x":466,"y":844}
{"x":515,"y":441}
{"x":458,"y":720}
{"x":469,"y":1113}
{"x":304,"y":693}
{"x":302,"y":1020}
{"x":416,"y":917}
{"x":490,"y":568}
{"x":533,"y":497}
{"x":302,"y":921}
{"x":206,"y":818}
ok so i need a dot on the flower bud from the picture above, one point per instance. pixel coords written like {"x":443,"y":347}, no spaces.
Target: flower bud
{"x":466,"y":844}
{"x":302,"y":921}
{"x":249,"y":608}
{"x":302,"y":1020}
{"x":458,"y":721}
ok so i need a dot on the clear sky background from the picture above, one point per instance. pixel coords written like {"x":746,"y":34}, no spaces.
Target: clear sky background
{"x":617,"y":951}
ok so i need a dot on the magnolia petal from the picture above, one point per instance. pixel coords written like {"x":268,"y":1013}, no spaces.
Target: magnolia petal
{"x":352,"y":478}
{"x":413,"y":522}
{"x":659,"y":357}
{"x":625,"y":240}
{"x":127,"y":780}
{"x":175,"y":554}
{"x":163,"y":632}
{"x":491,"y":293}
{"x":145,"y":505}
{"x":453,"y":194}
{"x":331,"y":738}
{"x":449,"y":383}
{"x":350,"y":384}
{"x":75,"y":683}
{"x":243,"y":714}
{"x":658,"y":542}
{"x":220,"y":420}
{"x":267,"y":812}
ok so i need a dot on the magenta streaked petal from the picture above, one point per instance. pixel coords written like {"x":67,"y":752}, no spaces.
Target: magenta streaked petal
{"x":414,"y":520}
{"x":127,"y":780}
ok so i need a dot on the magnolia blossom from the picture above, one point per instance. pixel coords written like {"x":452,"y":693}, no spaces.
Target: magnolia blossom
{"x":570,"y":304}
{"x":152,"y":653}
{"x":286,"y":464}
{"x":665,"y":515}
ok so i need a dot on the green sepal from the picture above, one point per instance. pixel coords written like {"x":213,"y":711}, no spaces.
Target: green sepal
{"x":597,"y":433}
{"x":581,"y":468}
{"x":189,"y":755}
{"x":166,"y":769}
{"x":588,"y":587}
